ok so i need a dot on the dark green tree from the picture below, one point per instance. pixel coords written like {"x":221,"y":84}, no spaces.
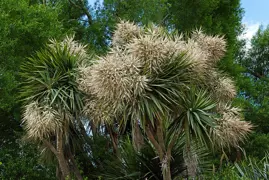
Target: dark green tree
{"x":256,"y":78}
{"x":214,"y":17}
{"x":24,"y":29}
{"x":254,"y":94}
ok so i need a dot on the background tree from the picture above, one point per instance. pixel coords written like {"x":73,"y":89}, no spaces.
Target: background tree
{"x":221,"y":17}
{"x":254,"y":89}
{"x":24,"y":29}
{"x":22,"y":161}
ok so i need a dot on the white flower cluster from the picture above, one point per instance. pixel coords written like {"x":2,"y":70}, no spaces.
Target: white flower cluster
{"x":230,"y":128}
{"x":125,"y":73}
{"x":40,"y":121}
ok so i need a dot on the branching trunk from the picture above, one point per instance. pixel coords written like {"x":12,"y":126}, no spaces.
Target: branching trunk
{"x":161,"y":150}
{"x":164,"y":153}
{"x":154,"y":142}
{"x":59,"y":172}
{"x":167,"y":172}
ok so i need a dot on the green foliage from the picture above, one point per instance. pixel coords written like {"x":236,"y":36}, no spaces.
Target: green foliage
{"x":253,"y":93}
{"x":257,"y":145}
{"x":9,"y":128}
{"x":254,"y":87}
{"x":50,"y":77}
{"x":195,"y":118}
{"x":54,"y":101}
{"x":135,"y":165}
{"x":157,"y":82}
{"x":27,"y":24}
{"x":98,"y":152}
{"x":256,"y":61}
{"x":24,"y":29}
{"x":21,"y":161}
{"x":221,"y":17}
{"x":249,"y":169}
{"x":141,"y":11}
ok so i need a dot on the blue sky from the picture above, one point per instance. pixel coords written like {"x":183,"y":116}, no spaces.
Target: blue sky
{"x":256,"y":10}
{"x":256,"y":13}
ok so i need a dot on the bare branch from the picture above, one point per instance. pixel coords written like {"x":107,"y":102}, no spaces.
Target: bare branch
{"x":50,"y":146}
{"x":84,"y":9}
{"x":155,"y":143}
{"x":171,"y":144}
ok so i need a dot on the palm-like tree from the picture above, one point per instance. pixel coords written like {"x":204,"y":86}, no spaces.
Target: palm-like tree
{"x":52,"y":98}
{"x":166,"y":86}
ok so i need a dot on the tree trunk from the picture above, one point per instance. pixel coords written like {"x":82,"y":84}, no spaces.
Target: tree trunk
{"x":73,"y":164}
{"x":93,"y":128}
{"x":76,"y":170}
{"x":60,"y":155}
{"x":165,"y":157}
{"x":167,"y":172}
{"x":58,"y":173}
{"x":114,"y":140}
{"x":238,"y":155}
{"x":63,"y":166}
{"x":191,"y":162}
{"x":137,"y":137}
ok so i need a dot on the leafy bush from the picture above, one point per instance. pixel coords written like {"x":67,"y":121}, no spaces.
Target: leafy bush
{"x":257,"y":145}
{"x":20,"y":161}
{"x":250,"y":169}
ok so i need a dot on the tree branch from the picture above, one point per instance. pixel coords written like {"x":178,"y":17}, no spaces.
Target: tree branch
{"x":257,"y":75}
{"x":50,"y":146}
{"x":160,"y":134}
{"x":84,"y":9}
{"x":155,"y":143}
{"x":171,"y":144}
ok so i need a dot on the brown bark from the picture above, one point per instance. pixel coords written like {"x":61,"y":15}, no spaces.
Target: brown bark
{"x":162,"y":154}
{"x":73,"y":164}
{"x":256,"y":74}
{"x":167,"y":172}
{"x":160,"y":136}
{"x":50,"y":146}
{"x":114,"y":139}
{"x":137,"y":137}
{"x":171,"y":145}
{"x":60,"y":155}
{"x":154,"y":143}
{"x":238,"y":155}
{"x":93,"y":128}
{"x":59,"y":173}
{"x":75,"y":168}
{"x":165,"y":154}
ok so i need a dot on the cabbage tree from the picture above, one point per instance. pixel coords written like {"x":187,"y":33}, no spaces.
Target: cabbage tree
{"x":52,"y":99}
{"x":165,"y":85}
